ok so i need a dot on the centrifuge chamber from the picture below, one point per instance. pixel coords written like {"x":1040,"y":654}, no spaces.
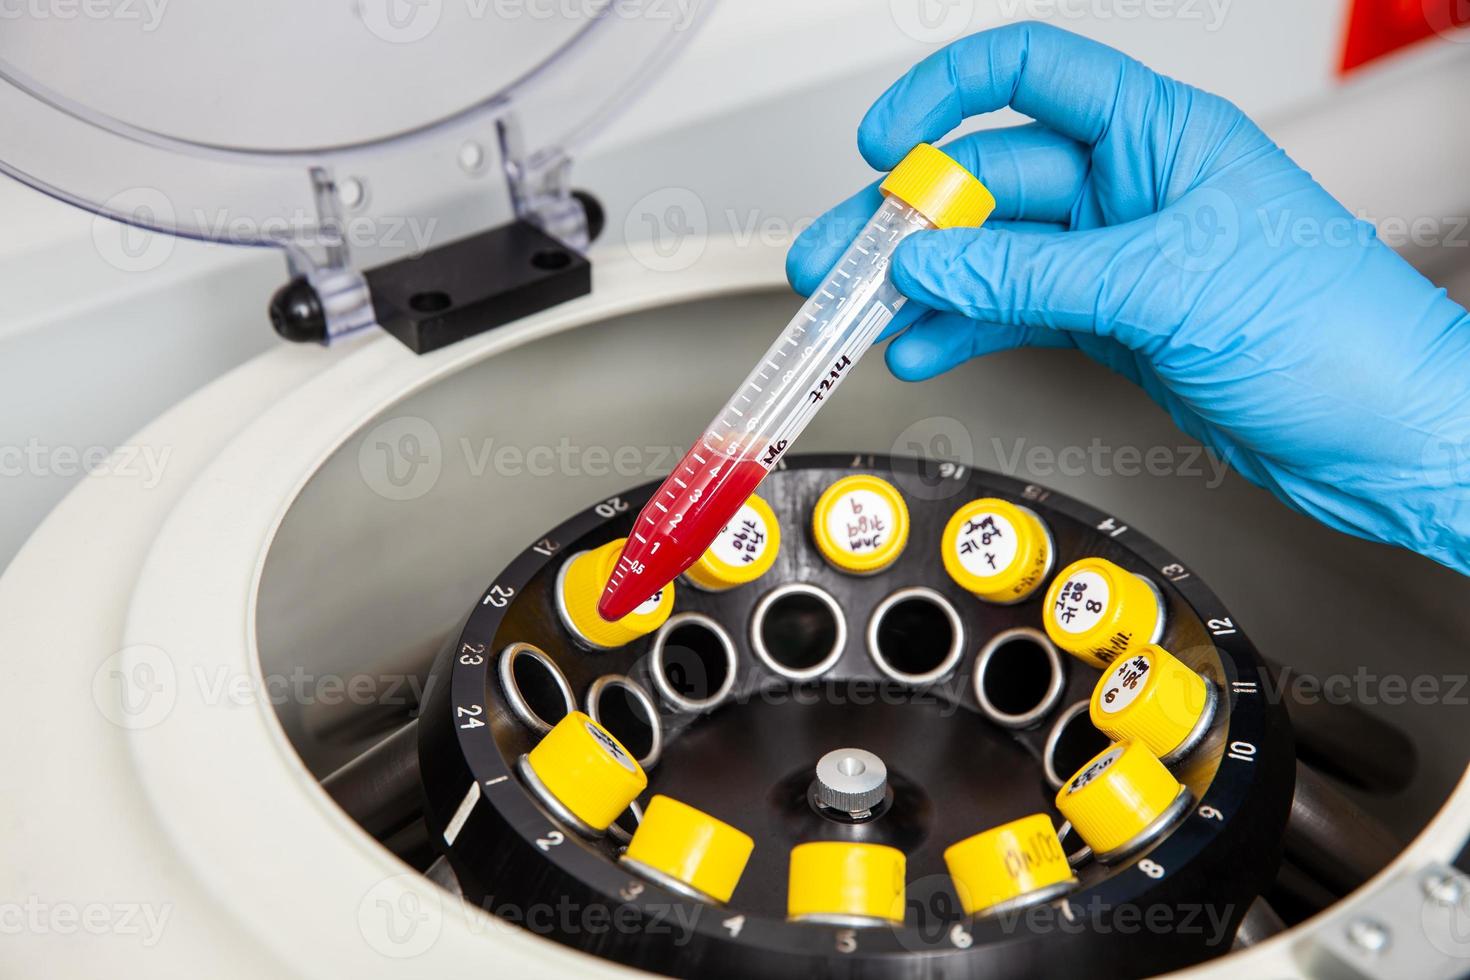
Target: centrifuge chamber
{"x":273,"y":605}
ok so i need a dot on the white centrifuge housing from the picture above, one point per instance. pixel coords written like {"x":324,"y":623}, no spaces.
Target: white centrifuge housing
{"x":193,"y":648}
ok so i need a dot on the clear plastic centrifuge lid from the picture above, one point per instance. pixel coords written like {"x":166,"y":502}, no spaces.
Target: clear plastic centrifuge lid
{"x":249,"y":123}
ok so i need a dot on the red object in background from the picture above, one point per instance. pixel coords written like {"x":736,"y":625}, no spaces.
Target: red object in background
{"x":1380,"y":27}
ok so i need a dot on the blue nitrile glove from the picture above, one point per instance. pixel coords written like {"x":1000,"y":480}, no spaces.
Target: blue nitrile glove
{"x":1154,"y":227}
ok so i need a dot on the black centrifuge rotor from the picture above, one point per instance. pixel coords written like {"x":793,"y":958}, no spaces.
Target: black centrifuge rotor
{"x":953,"y":771}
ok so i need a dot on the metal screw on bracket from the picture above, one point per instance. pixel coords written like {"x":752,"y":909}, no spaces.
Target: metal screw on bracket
{"x":1445,"y":889}
{"x":1368,"y":935}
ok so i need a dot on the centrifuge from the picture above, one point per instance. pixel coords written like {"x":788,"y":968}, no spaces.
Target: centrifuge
{"x":996,"y":675}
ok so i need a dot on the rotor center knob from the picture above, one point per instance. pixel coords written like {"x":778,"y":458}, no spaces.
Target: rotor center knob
{"x":851,"y":781}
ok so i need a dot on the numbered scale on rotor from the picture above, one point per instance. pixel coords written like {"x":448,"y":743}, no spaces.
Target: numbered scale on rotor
{"x":899,"y":721}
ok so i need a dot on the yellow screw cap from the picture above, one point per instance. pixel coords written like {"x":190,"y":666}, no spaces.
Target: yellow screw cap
{"x":996,"y":550}
{"x":861,"y":524}
{"x":843,"y":880}
{"x":579,"y":587}
{"x":1098,"y":611}
{"x":1120,"y":799}
{"x":1153,"y":698}
{"x":689,"y":846}
{"x":1022,"y":859}
{"x":931,"y":183}
{"x":743,"y":551}
{"x":587,"y":771}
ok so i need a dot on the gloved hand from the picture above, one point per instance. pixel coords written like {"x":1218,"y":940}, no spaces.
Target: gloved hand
{"x":1157,"y":229}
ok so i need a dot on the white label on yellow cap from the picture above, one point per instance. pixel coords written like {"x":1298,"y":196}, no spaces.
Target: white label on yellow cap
{"x":1095,"y":770}
{"x":1082,"y":602}
{"x":986,"y":544}
{"x":613,"y":748}
{"x":860,"y":522}
{"x":649,"y":605}
{"x":1124,"y":683}
{"x":744,"y":539}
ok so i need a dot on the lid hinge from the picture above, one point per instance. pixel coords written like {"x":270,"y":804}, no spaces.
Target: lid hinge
{"x":454,"y":290}
{"x":327,"y":299}
{"x":541,"y":189}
